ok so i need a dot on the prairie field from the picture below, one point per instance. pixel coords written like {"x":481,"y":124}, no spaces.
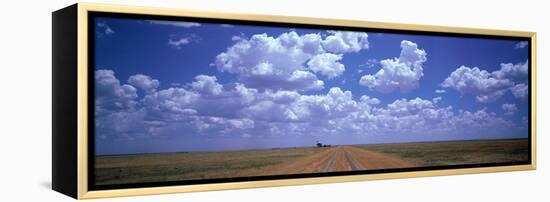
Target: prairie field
{"x":141,"y":168}
{"x":186,"y":166}
{"x":457,"y":152}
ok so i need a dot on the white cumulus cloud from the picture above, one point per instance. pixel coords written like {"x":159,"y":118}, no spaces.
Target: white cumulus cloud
{"x":289,"y":61}
{"x":486,"y":86}
{"x":520,"y":90}
{"x":327,"y":64}
{"x":401,"y":73}
{"x":521,"y":44}
{"x":371,"y":101}
{"x":111,"y":94}
{"x":437,"y":99}
{"x":336,"y":103}
{"x":514,"y":72}
{"x":102,"y":29}
{"x":440,"y":91}
{"x":172,"y":103}
{"x":178,"y":43}
{"x":273,"y":62}
{"x":477,"y":82}
{"x":509,"y":109}
{"x":208,"y":85}
{"x":206,"y":107}
{"x":345,"y":42}
{"x":143,"y":82}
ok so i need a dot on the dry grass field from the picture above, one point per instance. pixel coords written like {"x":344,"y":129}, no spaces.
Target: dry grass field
{"x":142,"y":168}
{"x":187,"y":166}
{"x":457,"y":152}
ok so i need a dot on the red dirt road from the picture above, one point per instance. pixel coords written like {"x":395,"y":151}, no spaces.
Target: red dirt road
{"x":335,"y":159}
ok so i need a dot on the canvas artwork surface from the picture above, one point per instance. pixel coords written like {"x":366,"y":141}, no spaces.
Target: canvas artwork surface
{"x":185,"y":101}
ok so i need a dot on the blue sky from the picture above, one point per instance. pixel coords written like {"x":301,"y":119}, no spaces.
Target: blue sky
{"x":167,"y":86}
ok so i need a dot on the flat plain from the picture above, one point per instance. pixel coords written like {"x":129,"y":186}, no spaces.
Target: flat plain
{"x":142,"y":168}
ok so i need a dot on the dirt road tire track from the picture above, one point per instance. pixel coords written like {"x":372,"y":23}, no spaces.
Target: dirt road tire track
{"x":342,"y":158}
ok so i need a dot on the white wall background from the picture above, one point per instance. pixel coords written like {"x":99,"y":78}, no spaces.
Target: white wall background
{"x":25,"y":100}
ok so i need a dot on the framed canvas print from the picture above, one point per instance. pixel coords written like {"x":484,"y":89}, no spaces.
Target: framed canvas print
{"x":151,"y":100}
